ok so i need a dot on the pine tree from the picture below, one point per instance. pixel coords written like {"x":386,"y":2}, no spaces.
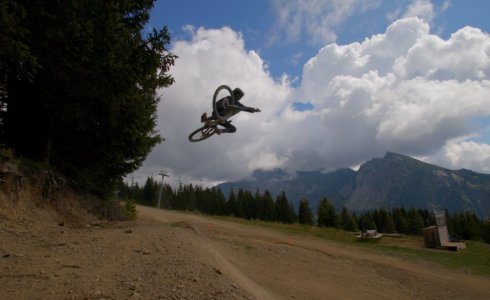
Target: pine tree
{"x":130,"y":210}
{"x":284,"y":212}
{"x":305,"y":215}
{"x":178,"y":202}
{"x":366,"y":222}
{"x":16,"y":57}
{"x":486,"y":231}
{"x":378,"y":220}
{"x":465,"y":225}
{"x":389,"y":224}
{"x":219,"y":203}
{"x":240,"y":204}
{"x":260,"y":205}
{"x":292,"y":217}
{"x":427,"y":217}
{"x":384,"y":221}
{"x":415,"y":222}
{"x":167,"y":196}
{"x":135,"y":192}
{"x":269,"y":209}
{"x":79,"y":82}
{"x":231,"y":204}
{"x":326,"y":214}
{"x":346,"y":221}
{"x":190,"y":198}
{"x":249,"y":206}
{"x":401,"y":225}
{"x":149,"y":192}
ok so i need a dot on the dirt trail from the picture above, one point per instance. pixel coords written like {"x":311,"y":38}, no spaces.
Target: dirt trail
{"x":171,"y":255}
{"x":243,"y":281}
{"x":294,"y":266}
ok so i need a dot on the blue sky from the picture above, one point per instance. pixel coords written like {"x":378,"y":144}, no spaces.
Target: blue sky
{"x":256,"y":20}
{"x":339,"y":82}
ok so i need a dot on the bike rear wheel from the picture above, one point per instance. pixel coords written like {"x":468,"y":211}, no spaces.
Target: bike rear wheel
{"x":202,"y":133}
{"x":229,"y":113}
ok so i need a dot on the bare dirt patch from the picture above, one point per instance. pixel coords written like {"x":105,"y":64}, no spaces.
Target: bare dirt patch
{"x":143,"y":259}
{"x":171,"y":255}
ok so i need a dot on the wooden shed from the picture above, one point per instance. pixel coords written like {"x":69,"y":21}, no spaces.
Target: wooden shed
{"x":431,"y":237}
{"x":438,"y":236}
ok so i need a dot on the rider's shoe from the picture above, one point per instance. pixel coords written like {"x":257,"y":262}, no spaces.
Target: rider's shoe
{"x":219,"y":131}
{"x":204,"y":117}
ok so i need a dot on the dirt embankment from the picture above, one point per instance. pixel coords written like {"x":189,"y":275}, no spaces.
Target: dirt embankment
{"x":142,"y":259}
{"x":171,"y":255}
{"x":53,"y":247}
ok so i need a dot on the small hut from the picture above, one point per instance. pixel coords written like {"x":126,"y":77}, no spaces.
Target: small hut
{"x":438,"y":236}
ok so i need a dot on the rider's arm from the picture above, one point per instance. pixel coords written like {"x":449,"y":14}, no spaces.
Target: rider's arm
{"x":246,"y":108}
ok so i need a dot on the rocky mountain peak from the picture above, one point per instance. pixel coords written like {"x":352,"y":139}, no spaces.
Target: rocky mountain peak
{"x":394,"y":180}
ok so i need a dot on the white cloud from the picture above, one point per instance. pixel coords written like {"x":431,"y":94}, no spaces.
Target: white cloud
{"x":266,"y":160}
{"x":392,"y":16}
{"x":423,"y":9}
{"x":404,"y":90}
{"x":317,"y":18}
{"x":463,"y":154}
{"x":212,"y":58}
{"x":445,"y":5}
{"x":465,"y":56}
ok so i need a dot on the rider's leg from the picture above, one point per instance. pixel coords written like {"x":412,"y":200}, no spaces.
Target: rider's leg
{"x":227,"y":128}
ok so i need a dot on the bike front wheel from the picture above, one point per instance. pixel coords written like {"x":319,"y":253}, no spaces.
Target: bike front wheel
{"x":229,"y":112}
{"x":202,"y":133}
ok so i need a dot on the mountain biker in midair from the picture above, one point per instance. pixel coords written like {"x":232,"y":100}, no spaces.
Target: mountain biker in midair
{"x":222,"y":110}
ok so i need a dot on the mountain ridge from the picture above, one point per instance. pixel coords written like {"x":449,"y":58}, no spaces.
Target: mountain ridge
{"x":395,"y":180}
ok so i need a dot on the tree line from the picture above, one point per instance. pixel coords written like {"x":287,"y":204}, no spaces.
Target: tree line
{"x":263,"y":206}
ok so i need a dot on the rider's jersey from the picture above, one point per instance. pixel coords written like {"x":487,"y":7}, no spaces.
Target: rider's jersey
{"x":223,"y":102}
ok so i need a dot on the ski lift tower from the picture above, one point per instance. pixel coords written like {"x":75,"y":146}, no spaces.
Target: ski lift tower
{"x":163,"y":174}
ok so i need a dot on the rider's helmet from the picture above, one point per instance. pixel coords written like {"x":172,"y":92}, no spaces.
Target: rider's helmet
{"x":238,"y":94}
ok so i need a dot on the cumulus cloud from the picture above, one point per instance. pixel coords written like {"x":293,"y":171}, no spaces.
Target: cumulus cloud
{"x":461,"y":153}
{"x":212,"y":58}
{"x":470,"y":155}
{"x":405,"y":90}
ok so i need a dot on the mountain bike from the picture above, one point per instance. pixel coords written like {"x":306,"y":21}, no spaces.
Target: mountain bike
{"x":211,"y":125}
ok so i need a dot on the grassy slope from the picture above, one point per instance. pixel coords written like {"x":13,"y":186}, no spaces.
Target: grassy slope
{"x":474,"y":259}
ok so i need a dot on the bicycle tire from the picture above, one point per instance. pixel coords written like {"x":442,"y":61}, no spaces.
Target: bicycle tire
{"x":232,"y":102}
{"x":205,"y":131}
